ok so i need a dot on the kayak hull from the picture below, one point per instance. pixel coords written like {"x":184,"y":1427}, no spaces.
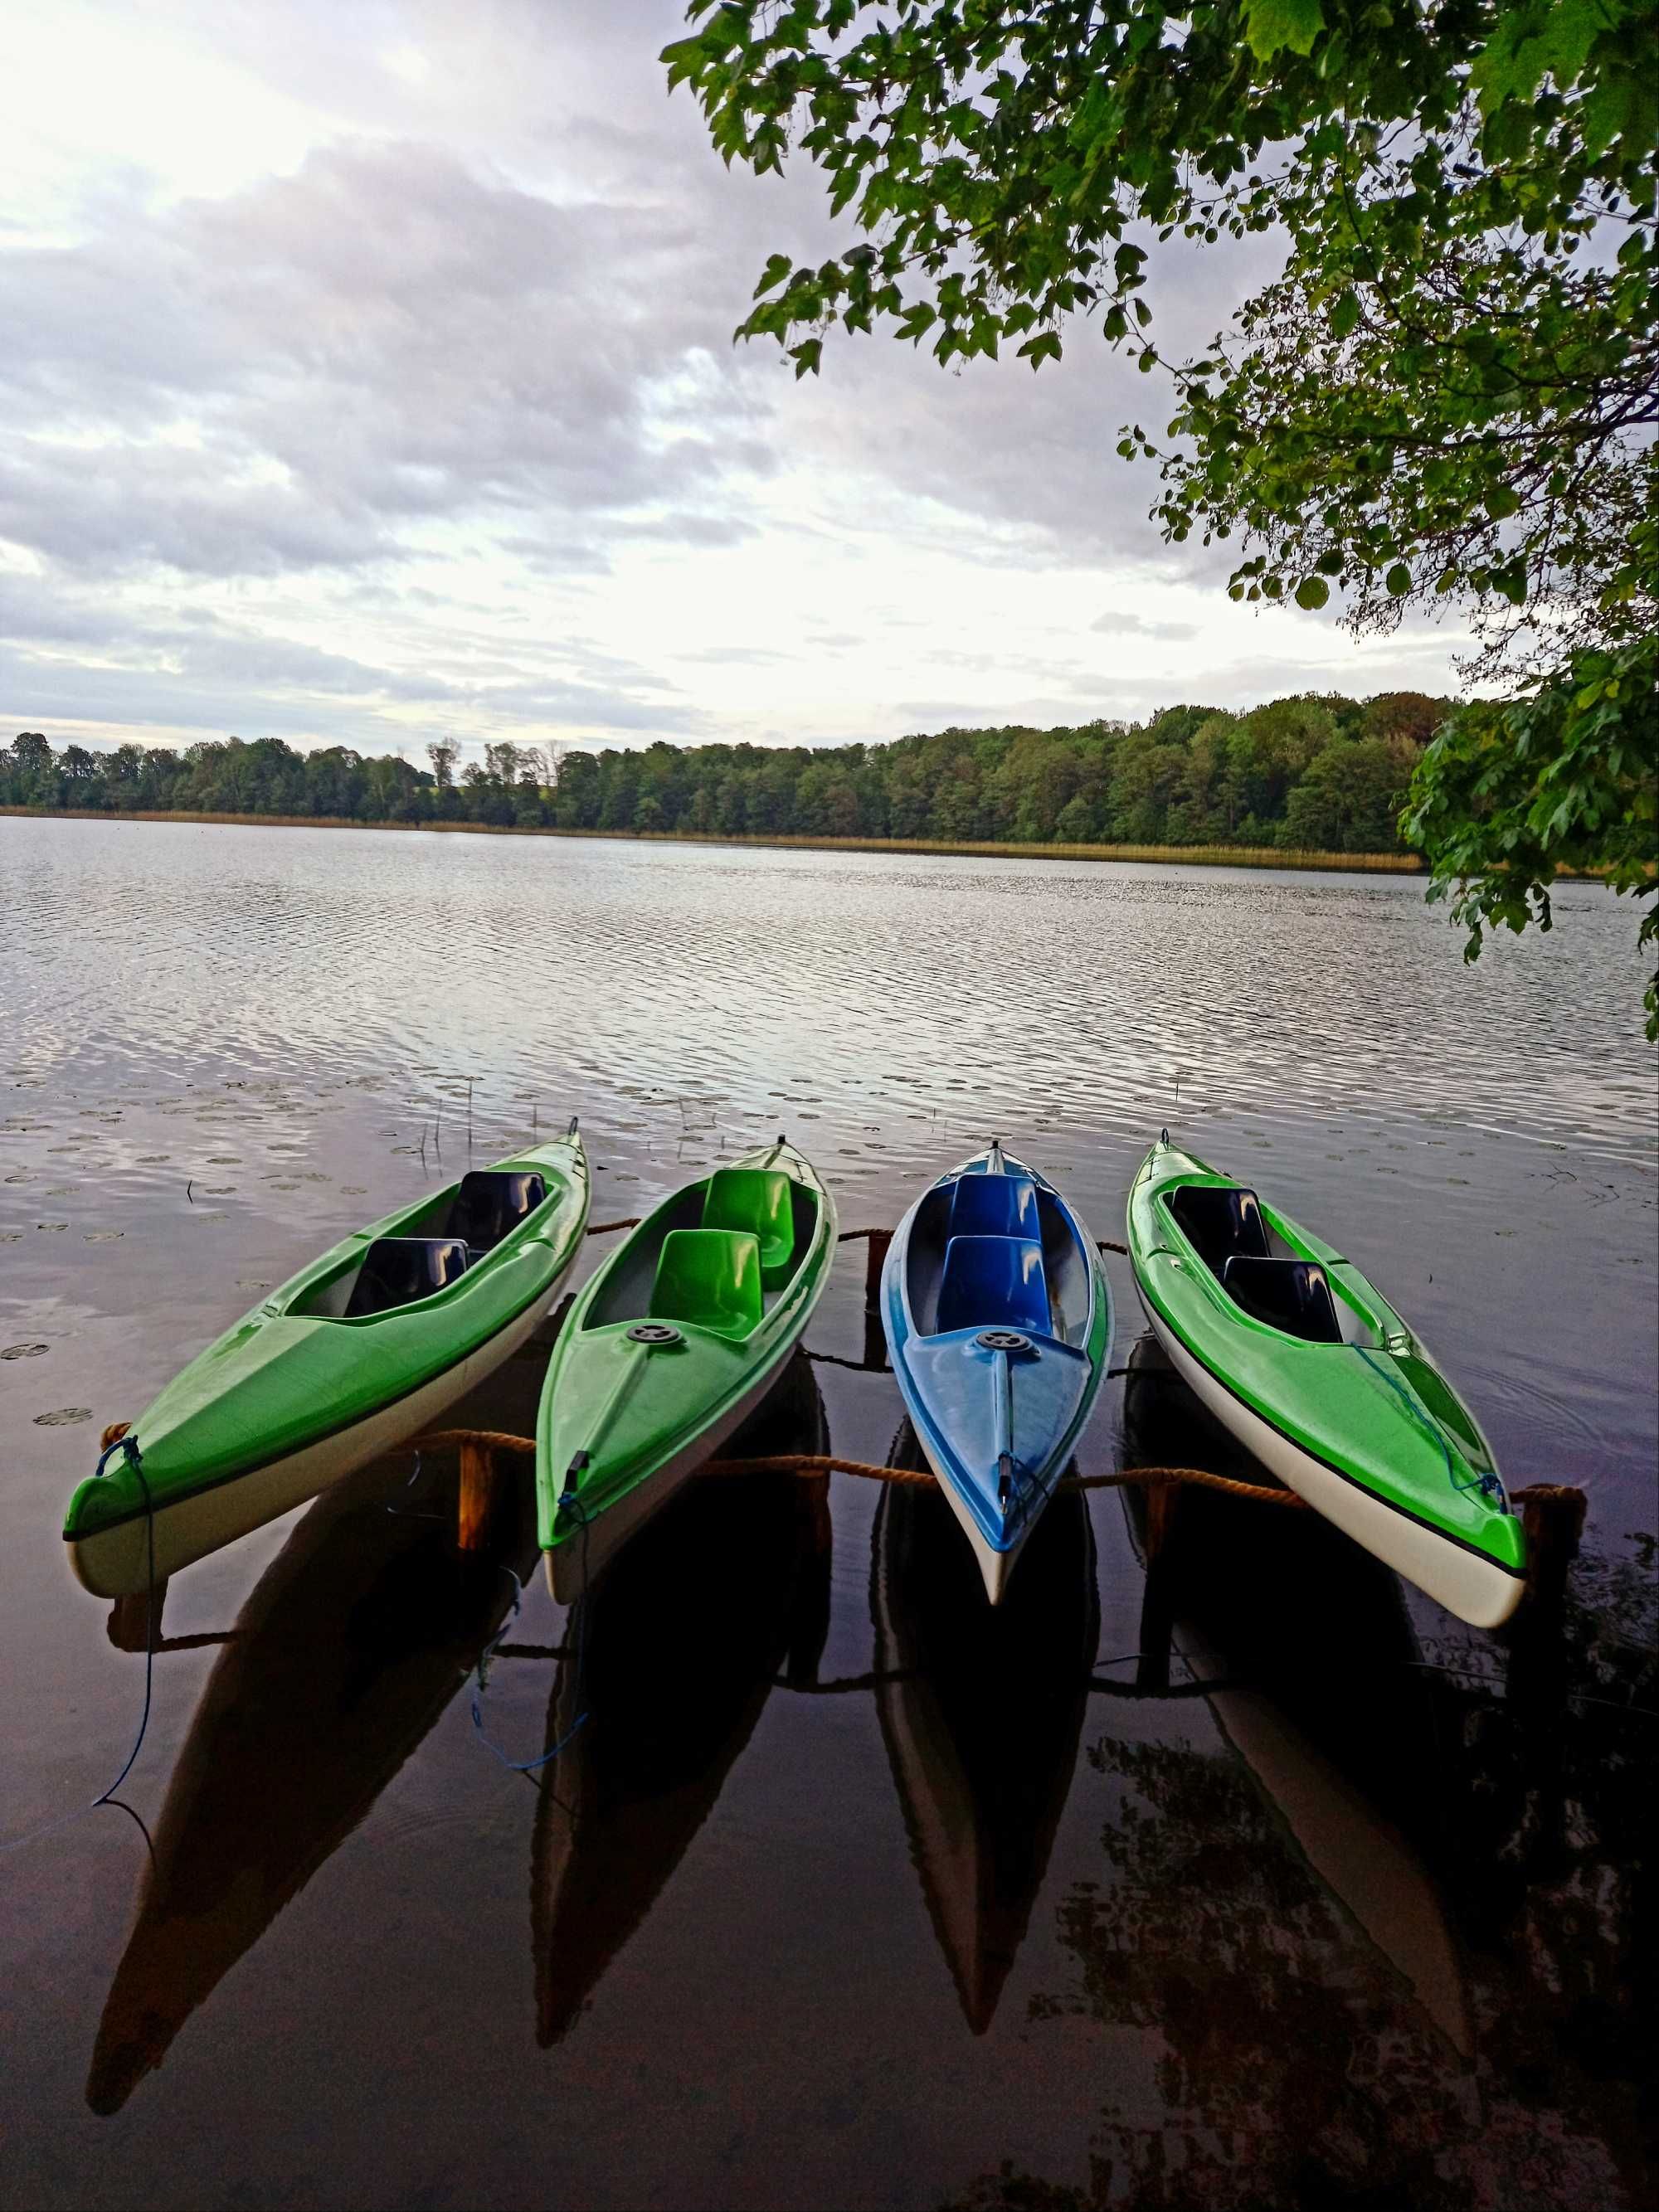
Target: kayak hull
{"x":995,"y":1565}
{"x":1305,"y":1363}
{"x":999,"y":1328}
{"x":1467,"y":1584}
{"x":571,"y":1566}
{"x":115,"y":1562}
{"x":324,"y":1374}
{"x":670,"y":1346}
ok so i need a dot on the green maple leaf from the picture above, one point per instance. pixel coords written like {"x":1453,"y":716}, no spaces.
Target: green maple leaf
{"x":1271,"y":26}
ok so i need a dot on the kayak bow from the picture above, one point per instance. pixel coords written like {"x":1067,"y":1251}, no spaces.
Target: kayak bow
{"x":1302,"y":1360}
{"x":354,"y":1355}
{"x":670,"y":1346}
{"x":999,"y":1321}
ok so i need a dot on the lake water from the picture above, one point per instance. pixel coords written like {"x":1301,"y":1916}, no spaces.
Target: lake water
{"x":1290,"y":1890}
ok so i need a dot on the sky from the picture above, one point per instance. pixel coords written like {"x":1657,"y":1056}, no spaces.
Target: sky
{"x":368,"y":380}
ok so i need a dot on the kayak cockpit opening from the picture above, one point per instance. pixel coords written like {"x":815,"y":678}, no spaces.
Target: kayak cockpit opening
{"x":719,"y":1256}
{"x":998,"y":1248}
{"x":491,"y":1204}
{"x":435,"y":1244}
{"x":1227,"y":1228}
{"x":398,"y":1270}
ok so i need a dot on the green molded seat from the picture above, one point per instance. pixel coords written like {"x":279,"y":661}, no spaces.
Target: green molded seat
{"x":710,"y":1279}
{"x":756,"y":1199}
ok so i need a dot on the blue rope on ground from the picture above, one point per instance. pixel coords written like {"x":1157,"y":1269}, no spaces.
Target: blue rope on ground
{"x":412,"y":1512}
{"x":128,"y":1447}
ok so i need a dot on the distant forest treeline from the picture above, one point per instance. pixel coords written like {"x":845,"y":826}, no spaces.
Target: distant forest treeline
{"x":1312,"y":773}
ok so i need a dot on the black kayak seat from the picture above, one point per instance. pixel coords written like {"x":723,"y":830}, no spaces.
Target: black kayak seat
{"x":994,"y":1282}
{"x":1294,"y":1295}
{"x":398,"y":1270}
{"x":995,"y":1205}
{"x":491,"y":1202}
{"x":1221,"y":1220}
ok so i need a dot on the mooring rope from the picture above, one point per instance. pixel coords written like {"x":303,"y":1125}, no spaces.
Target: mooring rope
{"x":810,"y":1463}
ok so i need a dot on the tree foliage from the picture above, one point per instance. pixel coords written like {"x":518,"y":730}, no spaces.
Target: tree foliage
{"x":1324,"y":774}
{"x":1565,"y":776}
{"x":1449,"y":395}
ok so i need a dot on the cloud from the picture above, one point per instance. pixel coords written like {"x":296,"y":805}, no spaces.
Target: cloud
{"x":370,"y":374}
{"x":1118,"y":624}
{"x":310,"y":373}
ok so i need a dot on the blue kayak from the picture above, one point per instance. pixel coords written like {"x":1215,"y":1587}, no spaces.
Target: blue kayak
{"x":999,"y":1321}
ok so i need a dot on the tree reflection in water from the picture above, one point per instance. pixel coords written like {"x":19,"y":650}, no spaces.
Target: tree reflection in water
{"x":1276,"y":2056}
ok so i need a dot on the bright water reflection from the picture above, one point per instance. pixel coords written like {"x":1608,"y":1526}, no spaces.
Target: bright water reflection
{"x":801,"y":1927}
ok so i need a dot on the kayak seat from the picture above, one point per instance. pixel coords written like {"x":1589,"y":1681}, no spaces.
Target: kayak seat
{"x":1220,"y":1221}
{"x":757,"y":1201}
{"x":1294,"y":1295}
{"x":709,"y":1278}
{"x":398,"y":1270}
{"x":994,"y":1282}
{"x":995,"y":1205}
{"x":490,"y":1203}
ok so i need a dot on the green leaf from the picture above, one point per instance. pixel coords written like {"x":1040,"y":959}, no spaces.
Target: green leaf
{"x":1344,"y":315}
{"x":1312,"y":592}
{"x":1271,"y":26}
{"x":1398,"y":580}
{"x":1546,"y":38}
{"x":775,"y":272}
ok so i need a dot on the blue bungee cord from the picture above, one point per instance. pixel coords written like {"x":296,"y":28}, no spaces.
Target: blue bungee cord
{"x":412,"y":1512}
{"x":569,"y":1502}
{"x":128,"y":1447}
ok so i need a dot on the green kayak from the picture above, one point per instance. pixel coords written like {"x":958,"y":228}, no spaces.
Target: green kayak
{"x":1316,"y":1375}
{"x":669,"y":1347}
{"x":355,"y":1355}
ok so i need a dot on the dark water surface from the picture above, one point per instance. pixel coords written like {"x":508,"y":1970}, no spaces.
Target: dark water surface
{"x":1302,"y":1893}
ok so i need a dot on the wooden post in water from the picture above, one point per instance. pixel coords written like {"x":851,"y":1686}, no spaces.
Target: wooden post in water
{"x":479,"y":1480}
{"x":1156,"y":1618}
{"x":129,"y":1617}
{"x":1553,"y":1515}
{"x":1163,"y":1502}
{"x":875,"y":1260}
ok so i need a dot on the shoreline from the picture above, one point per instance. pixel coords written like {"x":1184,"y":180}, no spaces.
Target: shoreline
{"x":1217,"y":856}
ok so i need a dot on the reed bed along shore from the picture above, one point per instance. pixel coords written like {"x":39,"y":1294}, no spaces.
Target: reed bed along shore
{"x":1220,"y":856}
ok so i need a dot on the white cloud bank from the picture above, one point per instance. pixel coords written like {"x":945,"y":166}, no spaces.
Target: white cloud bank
{"x":368,"y":377}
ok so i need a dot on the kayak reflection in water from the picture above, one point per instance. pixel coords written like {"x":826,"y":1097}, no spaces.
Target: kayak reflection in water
{"x":346,"y":1654}
{"x":679,"y":1642}
{"x":981,"y":1712}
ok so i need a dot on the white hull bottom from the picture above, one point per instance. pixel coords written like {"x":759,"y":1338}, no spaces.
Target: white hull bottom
{"x":115,"y":1562}
{"x":572,"y":1567}
{"x":1465,"y":1583}
{"x":994,"y":1566}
